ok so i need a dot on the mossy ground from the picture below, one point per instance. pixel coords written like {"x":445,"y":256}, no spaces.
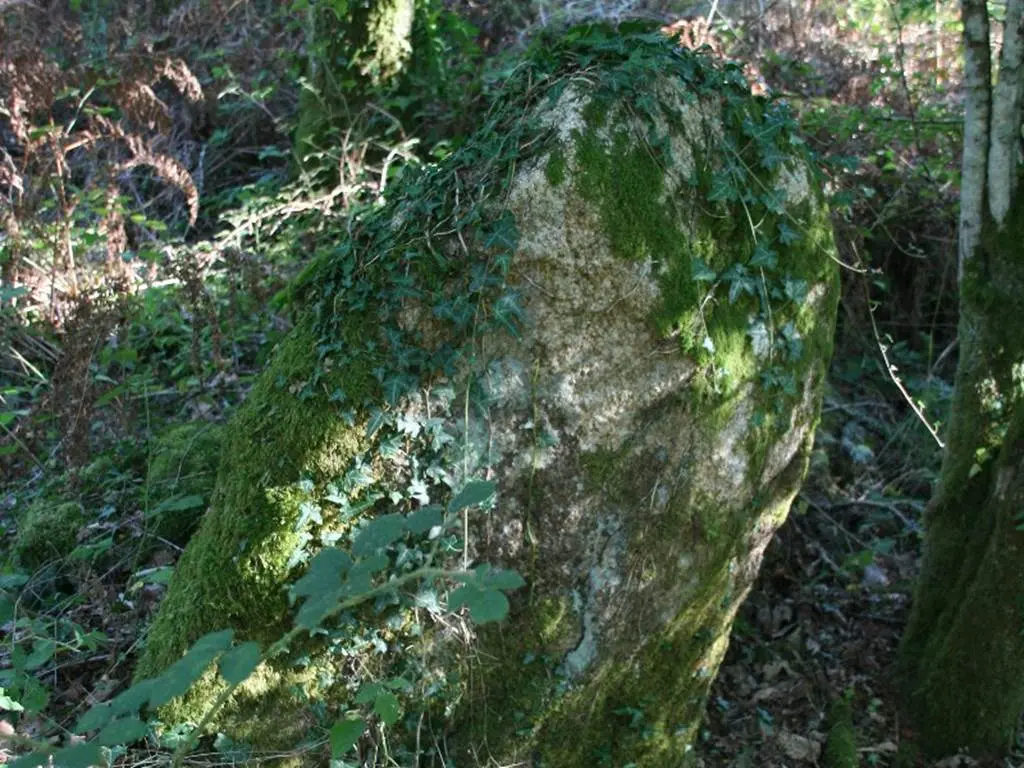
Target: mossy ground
{"x":47,"y":531}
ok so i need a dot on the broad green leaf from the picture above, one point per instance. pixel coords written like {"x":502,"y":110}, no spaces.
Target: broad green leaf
{"x":80,"y":756}
{"x":124,"y":731}
{"x":34,"y":696}
{"x":387,"y":707}
{"x":42,"y":651}
{"x":398,"y":684}
{"x":359,"y":577}
{"x":7,"y":609}
{"x":473,"y":493}
{"x":8,"y":704}
{"x":30,"y":761}
{"x":367,"y":693}
{"x":97,"y":716}
{"x":128,"y":702}
{"x":497,"y":578}
{"x":178,"y":504}
{"x":423,"y":519}
{"x":237,"y":664}
{"x":316,"y":609}
{"x":379,"y":533}
{"x":13,"y":580}
{"x":325,"y":574}
{"x":344,"y":735}
{"x":212,"y":643}
{"x":180,"y":676}
{"x":485,"y":605}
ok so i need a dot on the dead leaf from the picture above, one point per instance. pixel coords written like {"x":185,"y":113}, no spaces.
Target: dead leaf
{"x":797,"y":747}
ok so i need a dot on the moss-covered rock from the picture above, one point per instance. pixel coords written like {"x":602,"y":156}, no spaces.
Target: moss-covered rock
{"x":48,"y":530}
{"x":182,"y":470}
{"x":651,"y":236}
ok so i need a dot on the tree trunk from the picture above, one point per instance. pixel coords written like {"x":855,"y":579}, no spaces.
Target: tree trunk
{"x":364,"y":45}
{"x":962,"y":656}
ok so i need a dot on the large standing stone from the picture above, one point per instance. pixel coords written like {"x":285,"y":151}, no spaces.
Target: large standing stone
{"x":616,"y":301}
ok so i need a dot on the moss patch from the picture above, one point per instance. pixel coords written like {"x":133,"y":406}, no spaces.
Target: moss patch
{"x":555,"y":167}
{"x":233,"y":572}
{"x":47,"y":531}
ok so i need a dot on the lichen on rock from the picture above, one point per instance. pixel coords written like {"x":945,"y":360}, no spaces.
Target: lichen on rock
{"x":616,"y":301}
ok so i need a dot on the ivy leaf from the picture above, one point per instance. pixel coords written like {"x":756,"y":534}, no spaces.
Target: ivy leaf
{"x":787,"y":234}
{"x":387,"y":707}
{"x":344,"y":735}
{"x":760,"y":338}
{"x":796,"y":290}
{"x":764,"y":257}
{"x":722,"y":188}
{"x":775,"y":201}
{"x":237,"y":664}
{"x":124,"y":731}
{"x":379,"y":533}
{"x":740,"y":285}
{"x":472,"y":494}
{"x":375,"y":423}
{"x":485,"y":605}
{"x":308,"y":511}
{"x":701,"y":272}
{"x":423,"y":519}
{"x":793,"y":341}
{"x":325,"y":573}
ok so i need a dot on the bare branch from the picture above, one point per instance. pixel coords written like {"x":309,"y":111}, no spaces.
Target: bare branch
{"x":1006,"y":114}
{"x":977,"y":85}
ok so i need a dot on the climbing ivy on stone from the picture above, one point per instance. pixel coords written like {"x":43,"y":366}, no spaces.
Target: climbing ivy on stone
{"x":391,"y":312}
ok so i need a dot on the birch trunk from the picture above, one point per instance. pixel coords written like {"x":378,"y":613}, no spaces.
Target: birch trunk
{"x":963,"y":652}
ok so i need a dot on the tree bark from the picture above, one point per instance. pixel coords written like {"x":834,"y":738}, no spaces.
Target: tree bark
{"x":962,"y":657}
{"x":366,"y":45}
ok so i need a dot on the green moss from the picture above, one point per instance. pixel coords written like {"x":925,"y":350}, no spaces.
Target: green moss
{"x":555,"y":167}
{"x":231,"y":573}
{"x":841,"y":746}
{"x":47,"y":531}
{"x":181,"y":477}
